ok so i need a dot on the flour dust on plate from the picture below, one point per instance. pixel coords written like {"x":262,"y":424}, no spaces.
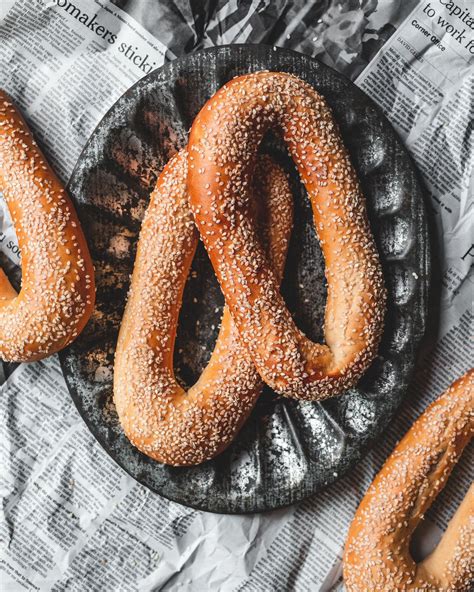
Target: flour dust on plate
{"x":287,"y":449}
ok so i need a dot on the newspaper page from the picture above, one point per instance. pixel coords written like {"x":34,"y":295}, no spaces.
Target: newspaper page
{"x":73,"y":520}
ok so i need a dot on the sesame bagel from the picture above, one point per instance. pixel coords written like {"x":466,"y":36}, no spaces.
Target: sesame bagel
{"x":222,"y":151}
{"x":161,"y":419}
{"x":377,"y":555}
{"x":57,"y":287}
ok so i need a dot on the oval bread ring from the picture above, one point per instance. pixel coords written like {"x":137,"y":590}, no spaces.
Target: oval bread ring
{"x":57,"y":287}
{"x":222,"y":153}
{"x":157,"y":415}
{"x":377,"y":553}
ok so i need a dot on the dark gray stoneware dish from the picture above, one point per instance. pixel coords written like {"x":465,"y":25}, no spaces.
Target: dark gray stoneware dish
{"x":287,"y":450}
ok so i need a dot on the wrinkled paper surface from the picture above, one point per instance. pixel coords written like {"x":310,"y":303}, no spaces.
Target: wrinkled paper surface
{"x":73,"y":520}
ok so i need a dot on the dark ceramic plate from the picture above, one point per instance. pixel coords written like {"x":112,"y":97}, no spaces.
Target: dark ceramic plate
{"x":287,"y":450}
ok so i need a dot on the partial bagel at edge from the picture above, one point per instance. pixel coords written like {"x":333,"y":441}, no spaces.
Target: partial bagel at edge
{"x":57,"y":286}
{"x":377,"y":554}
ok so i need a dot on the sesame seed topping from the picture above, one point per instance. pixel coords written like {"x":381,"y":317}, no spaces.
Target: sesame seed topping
{"x":223,"y":145}
{"x":377,"y":553}
{"x":57,"y":292}
{"x":158,"y":416}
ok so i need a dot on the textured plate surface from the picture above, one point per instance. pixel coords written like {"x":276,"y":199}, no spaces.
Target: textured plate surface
{"x":287,"y":450}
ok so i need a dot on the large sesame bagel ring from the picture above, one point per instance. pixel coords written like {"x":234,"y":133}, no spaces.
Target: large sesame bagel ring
{"x":377,"y":555}
{"x":57,"y":286}
{"x":157,"y":415}
{"x":222,"y":154}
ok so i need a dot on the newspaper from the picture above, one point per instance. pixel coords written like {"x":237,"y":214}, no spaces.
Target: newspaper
{"x":73,"y":520}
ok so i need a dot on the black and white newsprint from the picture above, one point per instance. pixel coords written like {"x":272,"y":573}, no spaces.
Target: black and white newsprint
{"x":70,"y":518}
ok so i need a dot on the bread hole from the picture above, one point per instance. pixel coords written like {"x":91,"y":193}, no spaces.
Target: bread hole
{"x":304,"y":284}
{"x":10,"y":256}
{"x":9,"y":261}
{"x":198,"y":322}
{"x":431,"y":529}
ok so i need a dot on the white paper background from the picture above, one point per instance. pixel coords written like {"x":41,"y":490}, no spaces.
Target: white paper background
{"x":71,"y":519}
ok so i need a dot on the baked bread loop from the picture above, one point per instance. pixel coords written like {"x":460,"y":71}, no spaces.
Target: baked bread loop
{"x":157,"y":415}
{"x":377,"y":555}
{"x":222,"y":153}
{"x":57,"y":287}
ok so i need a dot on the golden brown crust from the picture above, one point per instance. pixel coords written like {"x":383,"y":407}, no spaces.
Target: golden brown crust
{"x":157,"y":415}
{"x":57,"y":294}
{"x":222,"y":151}
{"x":377,"y":553}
